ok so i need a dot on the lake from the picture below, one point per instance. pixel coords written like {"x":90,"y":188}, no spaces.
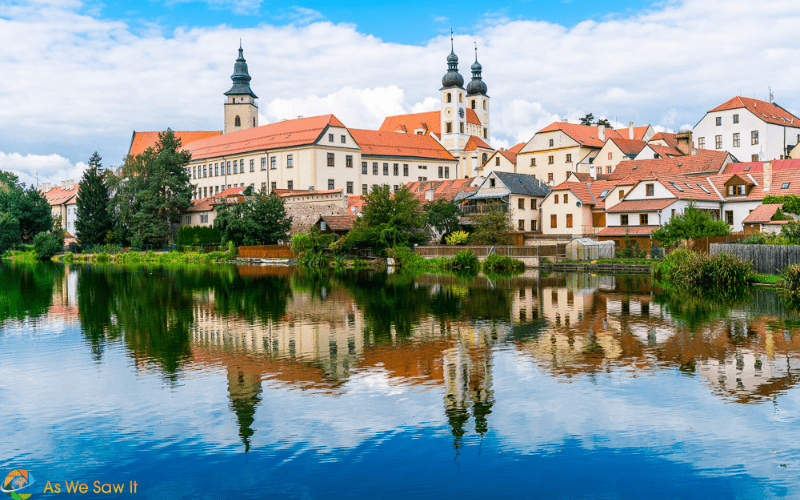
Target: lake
{"x":278,"y":383}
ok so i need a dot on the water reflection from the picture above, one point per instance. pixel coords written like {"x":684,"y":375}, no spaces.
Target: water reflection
{"x":314,"y":331}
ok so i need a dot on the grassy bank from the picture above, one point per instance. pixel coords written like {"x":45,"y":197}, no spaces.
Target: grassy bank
{"x":134,"y":257}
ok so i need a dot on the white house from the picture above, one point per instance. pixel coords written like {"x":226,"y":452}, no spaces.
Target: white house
{"x":63,"y":203}
{"x":750,"y":129}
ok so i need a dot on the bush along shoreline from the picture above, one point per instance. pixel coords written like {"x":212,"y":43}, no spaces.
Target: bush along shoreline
{"x":699,"y":272}
{"x":118,"y":256}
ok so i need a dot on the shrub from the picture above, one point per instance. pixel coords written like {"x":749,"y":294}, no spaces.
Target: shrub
{"x":687,"y":269}
{"x":463,"y":260}
{"x":198,"y":235}
{"x":68,"y":258}
{"x":48,"y":244}
{"x":310,"y":248}
{"x":496,"y":263}
{"x":789,"y":285}
{"x":457,"y":238}
{"x":102,"y":257}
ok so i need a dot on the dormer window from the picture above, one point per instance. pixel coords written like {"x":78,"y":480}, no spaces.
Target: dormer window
{"x":785,"y":185}
{"x":491,"y":182}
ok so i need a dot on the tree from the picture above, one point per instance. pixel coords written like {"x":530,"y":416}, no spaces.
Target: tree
{"x":26,"y":205}
{"x":443,"y":215}
{"x":604,"y":122}
{"x":587,"y":120}
{"x":258,"y":221}
{"x":491,"y":228}
{"x":153,"y":191}
{"x":9,"y":231}
{"x":94,"y":220}
{"x":692,"y":223}
{"x":49,"y":244}
{"x":389,"y":219}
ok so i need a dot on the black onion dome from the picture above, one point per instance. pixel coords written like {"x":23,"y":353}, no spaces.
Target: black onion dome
{"x":452,"y":78}
{"x":477,"y":85}
{"x":240,"y":77}
{"x":476,"y":66}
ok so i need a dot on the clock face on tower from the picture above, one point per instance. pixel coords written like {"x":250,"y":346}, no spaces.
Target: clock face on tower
{"x":461,"y":112}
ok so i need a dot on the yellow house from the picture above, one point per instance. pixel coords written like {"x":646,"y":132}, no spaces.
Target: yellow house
{"x":576,"y":208}
{"x":614,"y":151}
{"x":502,"y":160}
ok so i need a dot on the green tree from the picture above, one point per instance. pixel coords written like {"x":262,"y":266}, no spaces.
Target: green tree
{"x":261,"y":220}
{"x":389,"y":219}
{"x":604,"y":122}
{"x":49,"y":243}
{"x":588,"y":119}
{"x":491,"y":228}
{"x":152,"y":192}
{"x":94,"y":220}
{"x":443,"y":215}
{"x":26,"y":205}
{"x":9,"y":231}
{"x":692,"y":223}
{"x":791,"y":231}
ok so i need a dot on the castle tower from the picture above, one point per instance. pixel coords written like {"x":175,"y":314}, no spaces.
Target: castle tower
{"x":241,"y":111}
{"x":454,"y":105}
{"x":476,"y":96}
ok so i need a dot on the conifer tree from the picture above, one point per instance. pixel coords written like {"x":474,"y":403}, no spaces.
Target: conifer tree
{"x":94,"y":220}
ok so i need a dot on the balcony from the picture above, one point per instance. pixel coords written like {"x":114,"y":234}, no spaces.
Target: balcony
{"x":484,"y":208}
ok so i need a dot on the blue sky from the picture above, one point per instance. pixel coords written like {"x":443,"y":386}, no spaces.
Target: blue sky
{"x":81,"y":75}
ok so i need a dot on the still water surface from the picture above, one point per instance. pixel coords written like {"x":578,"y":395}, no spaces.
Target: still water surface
{"x":253,"y":382}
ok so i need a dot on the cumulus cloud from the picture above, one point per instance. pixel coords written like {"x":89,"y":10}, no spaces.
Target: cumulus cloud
{"x":74,"y":82}
{"x":38,"y":169}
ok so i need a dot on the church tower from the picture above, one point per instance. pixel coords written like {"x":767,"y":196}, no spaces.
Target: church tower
{"x":454,"y":97}
{"x":476,"y":96}
{"x":241,"y":111}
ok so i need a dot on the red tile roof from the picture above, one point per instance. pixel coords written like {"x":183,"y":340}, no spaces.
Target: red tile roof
{"x":472,"y":117}
{"x":356,"y":202}
{"x":511,"y":153}
{"x":670,"y":139}
{"x":273,"y":136}
{"x":758,"y":166}
{"x":779,"y":179}
{"x":393,"y":144}
{"x":597,"y":187}
{"x":765,"y":111}
{"x":58,"y":196}
{"x":641,"y":205}
{"x":446,"y":189}
{"x":581,"y":190}
{"x":206,"y":204}
{"x":629,"y":147}
{"x":475,"y":142}
{"x":582,"y":176}
{"x":429,"y":121}
{"x":762,"y":213}
{"x":692,"y":191}
{"x":287,"y":193}
{"x":586,"y":135}
{"x":705,"y":161}
{"x":665,"y":151}
{"x":339,"y":222}
{"x":629,"y":230}
{"x":143,"y":140}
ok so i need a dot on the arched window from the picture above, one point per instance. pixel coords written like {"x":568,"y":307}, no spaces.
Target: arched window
{"x":254,"y":121}
{"x":485,"y":105}
{"x":237,"y":122}
{"x":484,"y":158}
{"x":460,"y":97}
{"x":473,"y":104}
{"x":449,"y":97}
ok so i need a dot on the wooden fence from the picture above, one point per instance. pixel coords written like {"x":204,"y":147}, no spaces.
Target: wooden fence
{"x":266,"y":252}
{"x":485,"y":251}
{"x":703,"y":245}
{"x":766,"y":259}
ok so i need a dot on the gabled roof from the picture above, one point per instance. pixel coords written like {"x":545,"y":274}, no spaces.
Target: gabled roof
{"x":665,"y":151}
{"x":207,"y":204}
{"x":447,"y":189}
{"x":523,"y":184}
{"x":510,"y":154}
{"x":765,"y":111}
{"x":581,"y":176}
{"x":476,"y":142}
{"x":705,"y":161}
{"x":669,"y":138}
{"x":288,"y":133}
{"x":627,"y":230}
{"x":339,"y":222}
{"x":58,"y":196}
{"x":430,"y":121}
{"x":393,"y":144}
{"x":143,"y":140}
{"x":684,"y":187}
{"x":586,"y":135}
{"x":288,"y":193}
{"x":627,"y":146}
{"x":580,"y":189}
{"x":641,"y":205}
{"x":758,"y":166}
{"x":788,"y":178}
{"x":762,"y":213}
{"x":597,"y":188}
{"x":472,"y":117}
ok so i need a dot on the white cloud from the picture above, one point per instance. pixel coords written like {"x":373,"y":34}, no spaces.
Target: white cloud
{"x":49,"y":168}
{"x":73,"y":83}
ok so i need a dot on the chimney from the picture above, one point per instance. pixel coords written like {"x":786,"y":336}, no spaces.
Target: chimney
{"x":429,"y":194}
{"x":684,"y":140}
{"x":565,"y":120}
{"x":70,"y":183}
{"x":46,"y":187}
{"x":630,"y":130}
{"x":767,"y":175}
{"x":63,"y":184}
{"x":601,"y":133}
{"x":694,"y":152}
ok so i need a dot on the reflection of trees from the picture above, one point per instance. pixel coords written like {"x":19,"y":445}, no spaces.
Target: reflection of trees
{"x":26,"y":290}
{"x":695,"y":310}
{"x":95,"y":296}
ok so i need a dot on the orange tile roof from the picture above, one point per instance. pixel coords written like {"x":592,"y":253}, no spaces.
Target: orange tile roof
{"x":472,"y":117}
{"x":765,"y":111}
{"x":582,"y":176}
{"x":758,"y":166}
{"x":762,"y":213}
{"x":586,"y":135}
{"x":597,"y":187}
{"x":143,"y":140}
{"x":779,"y":179}
{"x":580,"y":189}
{"x":206,"y":204}
{"x":669,"y":138}
{"x":629,"y":230}
{"x":273,"y":136}
{"x":397,"y":145}
{"x":511,"y":153}
{"x":705,"y":161}
{"x":58,"y":196}
{"x":692,"y":191}
{"x":430,"y":121}
{"x":339,"y":222}
{"x":665,"y":151}
{"x":447,"y":189}
{"x":641,"y":205}
{"x":628,"y":146}
{"x":638,"y":132}
{"x":285,"y":193}
{"x":475,"y":142}
{"x":356,"y":202}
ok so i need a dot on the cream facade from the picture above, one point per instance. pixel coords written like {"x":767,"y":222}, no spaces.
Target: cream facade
{"x":552,"y":156}
{"x":564,"y":213}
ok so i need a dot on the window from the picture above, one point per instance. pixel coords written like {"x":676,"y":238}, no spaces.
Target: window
{"x":533,"y":225}
{"x":364,"y":190}
{"x":608,"y":170}
{"x":533,"y":204}
{"x":229,"y":168}
{"x":701,"y":142}
{"x":205,"y":192}
{"x":754,"y":137}
{"x":649,"y":189}
{"x":553,"y":221}
{"x":273,"y":162}
{"x":263,"y":163}
{"x":623,"y":220}
{"x":621,"y":194}
{"x":719,"y":121}
{"x":555,"y":199}
{"x":643,"y":219}
{"x":194,"y":172}
{"x":289,"y":161}
{"x":785,"y":185}
{"x":736,"y":118}
{"x":449,"y":127}
{"x":234,"y":166}
{"x":461,"y":127}
{"x":204,"y":170}
{"x":348,"y":161}
{"x":330,"y":160}
{"x":330,"y":184}
{"x":252,"y":165}
{"x":491,"y":182}
{"x":344,"y":140}
{"x":330,"y":137}
{"x":441,"y":172}
{"x":273,"y":186}
{"x":263,"y":186}
{"x":736,"y":140}
{"x":569,"y":220}
{"x":609,"y":155}
{"x":216,"y":169}
{"x":753,"y":157}
{"x":718,"y":141}
{"x":521,"y":203}
{"x":496,"y":160}
{"x":460,"y":97}
{"x":385,"y":169}
{"x":533,"y":162}
{"x":485,"y":133}
{"x":550,"y":177}
{"x":521,"y":224}
{"x":472,"y":103}
{"x":375,"y":168}
{"x":551,"y":143}
{"x":396,"y":169}
{"x":396,"y":188}
{"x":363,"y":167}
{"x":187,"y":219}
{"x":449,"y":97}
{"x":569,"y":157}
{"x":566,"y":198}
{"x":729,"y":217}
{"x":551,"y":160}
{"x":237,"y":122}
{"x":405,"y":169}
{"x":446,"y":172}
{"x":290,"y":185}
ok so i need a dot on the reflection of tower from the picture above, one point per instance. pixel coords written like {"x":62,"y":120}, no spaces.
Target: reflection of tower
{"x":245,"y":393}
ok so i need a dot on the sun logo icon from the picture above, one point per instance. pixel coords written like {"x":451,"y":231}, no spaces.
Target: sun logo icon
{"x":17,"y":480}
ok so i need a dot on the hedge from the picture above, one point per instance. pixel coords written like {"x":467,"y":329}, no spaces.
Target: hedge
{"x":198,"y":235}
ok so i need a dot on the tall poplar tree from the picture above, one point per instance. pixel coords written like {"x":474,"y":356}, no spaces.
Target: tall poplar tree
{"x":94,"y":220}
